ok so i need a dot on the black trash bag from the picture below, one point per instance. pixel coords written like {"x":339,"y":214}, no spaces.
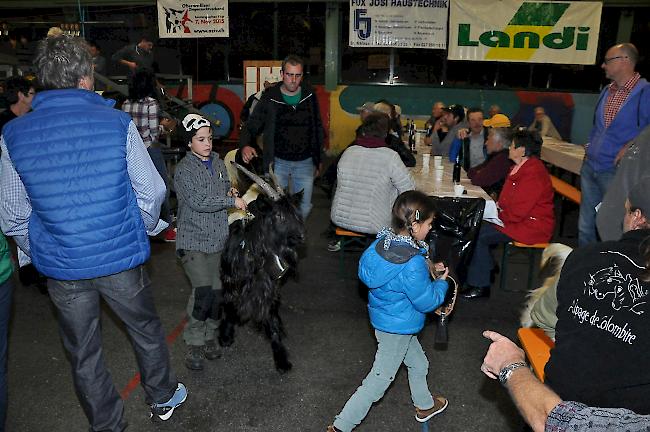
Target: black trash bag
{"x":454,"y":232}
{"x":451,"y":241}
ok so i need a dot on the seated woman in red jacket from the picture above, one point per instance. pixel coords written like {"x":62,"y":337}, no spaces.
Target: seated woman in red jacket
{"x":525,"y":207}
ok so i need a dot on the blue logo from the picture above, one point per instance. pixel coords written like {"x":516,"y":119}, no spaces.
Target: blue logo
{"x":362,"y":23}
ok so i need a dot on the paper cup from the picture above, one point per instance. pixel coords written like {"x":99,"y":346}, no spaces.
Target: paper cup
{"x":425,"y":159}
{"x":458,"y":190}
{"x":439,"y":172}
{"x":437,"y":161}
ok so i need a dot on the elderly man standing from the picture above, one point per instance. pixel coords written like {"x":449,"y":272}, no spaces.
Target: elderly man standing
{"x":289,"y":117}
{"x":623,"y":110}
{"x":83,"y":216}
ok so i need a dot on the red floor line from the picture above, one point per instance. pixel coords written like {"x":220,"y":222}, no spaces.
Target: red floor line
{"x":135,"y":381}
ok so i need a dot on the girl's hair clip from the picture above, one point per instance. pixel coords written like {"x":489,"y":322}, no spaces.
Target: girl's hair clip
{"x":417,"y":215}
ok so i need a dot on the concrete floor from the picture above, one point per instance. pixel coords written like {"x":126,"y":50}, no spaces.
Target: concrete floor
{"x":331,"y":345}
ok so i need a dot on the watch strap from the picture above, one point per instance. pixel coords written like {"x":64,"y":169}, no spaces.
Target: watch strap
{"x":507,"y":371}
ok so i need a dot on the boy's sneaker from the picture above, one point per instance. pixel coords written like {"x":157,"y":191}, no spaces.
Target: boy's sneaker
{"x":212,"y":350}
{"x":170,"y":235}
{"x":439,"y":405}
{"x":194,"y":357}
{"x":334,"y":246}
{"x":164,"y":411}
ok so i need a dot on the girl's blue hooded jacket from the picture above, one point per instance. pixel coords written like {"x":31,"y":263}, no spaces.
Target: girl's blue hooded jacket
{"x":401,"y":290}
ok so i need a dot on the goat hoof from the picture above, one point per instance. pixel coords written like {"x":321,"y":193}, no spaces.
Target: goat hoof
{"x":283,"y":367}
{"x":226,"y":341}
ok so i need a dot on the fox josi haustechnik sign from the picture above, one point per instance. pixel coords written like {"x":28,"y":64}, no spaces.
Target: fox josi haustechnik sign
{"x":399,"y":23}
{"x":529,"y":31}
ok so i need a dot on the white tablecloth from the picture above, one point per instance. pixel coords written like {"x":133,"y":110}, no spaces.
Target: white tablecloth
{"x":425,"y":181}
{"x":563,"y":154}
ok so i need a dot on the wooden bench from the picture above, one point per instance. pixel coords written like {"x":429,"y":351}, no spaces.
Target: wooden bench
{"x":566,"y":192}
{"x":537,"y":347}
{"x":532,"y":250}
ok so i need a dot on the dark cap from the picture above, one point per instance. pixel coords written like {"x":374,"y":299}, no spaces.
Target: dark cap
{"x":639,"y":196}
{"x":456,"y":110}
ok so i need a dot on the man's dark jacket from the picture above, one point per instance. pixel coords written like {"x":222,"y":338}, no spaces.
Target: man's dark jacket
{"x":602,"y":337}
{"x":290,"y":133}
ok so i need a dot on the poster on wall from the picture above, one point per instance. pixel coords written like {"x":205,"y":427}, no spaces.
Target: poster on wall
{"x":524,"y":31}
{"x":399,"y":23}
{"x":181,"y":19}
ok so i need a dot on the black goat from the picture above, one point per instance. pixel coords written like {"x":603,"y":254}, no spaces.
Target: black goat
{"x":257,"y":254}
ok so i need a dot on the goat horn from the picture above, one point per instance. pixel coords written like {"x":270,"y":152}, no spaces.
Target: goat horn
{"x":275,"y":180}
{"x":267,"y":188}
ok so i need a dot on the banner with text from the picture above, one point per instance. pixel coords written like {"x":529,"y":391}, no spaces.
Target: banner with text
{"x":179,"y":19}
{"x":399,"y":23}
{"x":524,"y":31}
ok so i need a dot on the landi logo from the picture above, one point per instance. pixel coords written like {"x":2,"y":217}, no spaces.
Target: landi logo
{"x":531,"y":27}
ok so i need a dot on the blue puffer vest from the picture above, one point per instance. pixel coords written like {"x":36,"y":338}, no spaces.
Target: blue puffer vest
{"x":70,"y":153}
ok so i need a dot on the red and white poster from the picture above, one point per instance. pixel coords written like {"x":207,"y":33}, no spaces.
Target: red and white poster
{"x":179,"y":19}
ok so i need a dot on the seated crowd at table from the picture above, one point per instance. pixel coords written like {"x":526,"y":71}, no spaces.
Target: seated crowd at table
{"x":601,"y":293}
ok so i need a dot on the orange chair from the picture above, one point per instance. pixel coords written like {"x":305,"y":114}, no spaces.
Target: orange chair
{"x":532,"y":252}
{"x":537,"y":347}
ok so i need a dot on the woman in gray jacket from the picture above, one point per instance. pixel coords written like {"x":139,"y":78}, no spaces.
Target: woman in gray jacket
{"x":204,"y":195}
{"x":370,"y":177}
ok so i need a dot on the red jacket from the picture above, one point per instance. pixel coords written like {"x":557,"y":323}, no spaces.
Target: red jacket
{"x":526,"y":204}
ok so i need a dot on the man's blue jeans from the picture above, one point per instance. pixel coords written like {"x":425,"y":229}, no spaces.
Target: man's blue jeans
{"x":593,"y":186}
{"x":6,"y":292}
{"x":302,"y":178}
{"x":129,"y":295}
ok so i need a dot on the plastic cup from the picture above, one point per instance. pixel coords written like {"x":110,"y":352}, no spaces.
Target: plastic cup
{"x":458,"y":190}
{"x":439,"y":172}
{"x":437,"y":161}
{"x":425,"y":159}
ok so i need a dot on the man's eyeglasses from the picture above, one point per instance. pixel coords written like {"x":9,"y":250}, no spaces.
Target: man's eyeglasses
{"x":610,"y":59}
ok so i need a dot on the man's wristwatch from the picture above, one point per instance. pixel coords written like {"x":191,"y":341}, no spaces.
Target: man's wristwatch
{"x":505,"y":373}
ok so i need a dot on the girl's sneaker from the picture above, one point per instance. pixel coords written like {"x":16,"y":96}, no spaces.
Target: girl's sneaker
{"x":439,"y":405}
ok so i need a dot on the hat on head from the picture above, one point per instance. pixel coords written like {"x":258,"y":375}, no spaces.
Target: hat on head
{"x":192,"y":123}
{"x":639,"y":196}
{"x":456,"y":110}
{"x":497,"y":121}
{"x":383,"y":107}
{"x":367,"y":106}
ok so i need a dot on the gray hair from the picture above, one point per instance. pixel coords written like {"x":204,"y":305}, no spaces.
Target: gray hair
{"x":62,"y":61}
{"x":502,"y":135}
{"x":631,"y":52}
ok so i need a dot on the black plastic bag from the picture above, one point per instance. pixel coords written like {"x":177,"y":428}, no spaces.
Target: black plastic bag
{"x":451,"y":241}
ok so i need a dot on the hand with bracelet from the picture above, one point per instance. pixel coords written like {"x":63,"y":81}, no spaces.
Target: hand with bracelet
{"x":503,"y":357}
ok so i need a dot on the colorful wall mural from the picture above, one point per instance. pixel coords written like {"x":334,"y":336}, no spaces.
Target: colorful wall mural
{"x":572,"y":113}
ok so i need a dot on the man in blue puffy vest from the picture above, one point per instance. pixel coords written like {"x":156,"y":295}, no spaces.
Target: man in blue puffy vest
{"x":622,"y":111}
{"x":79,"y":194}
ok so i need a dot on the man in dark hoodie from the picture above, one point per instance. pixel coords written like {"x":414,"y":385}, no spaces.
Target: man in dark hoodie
{"x":288,"y":115}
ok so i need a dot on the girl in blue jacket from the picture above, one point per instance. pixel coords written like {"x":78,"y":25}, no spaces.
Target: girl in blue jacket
{"x":395,"y":269}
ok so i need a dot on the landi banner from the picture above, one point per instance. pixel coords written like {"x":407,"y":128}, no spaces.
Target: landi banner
{"x":524,"y":31}
{"x":399,"y":23}
{"x":179,"y":19}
